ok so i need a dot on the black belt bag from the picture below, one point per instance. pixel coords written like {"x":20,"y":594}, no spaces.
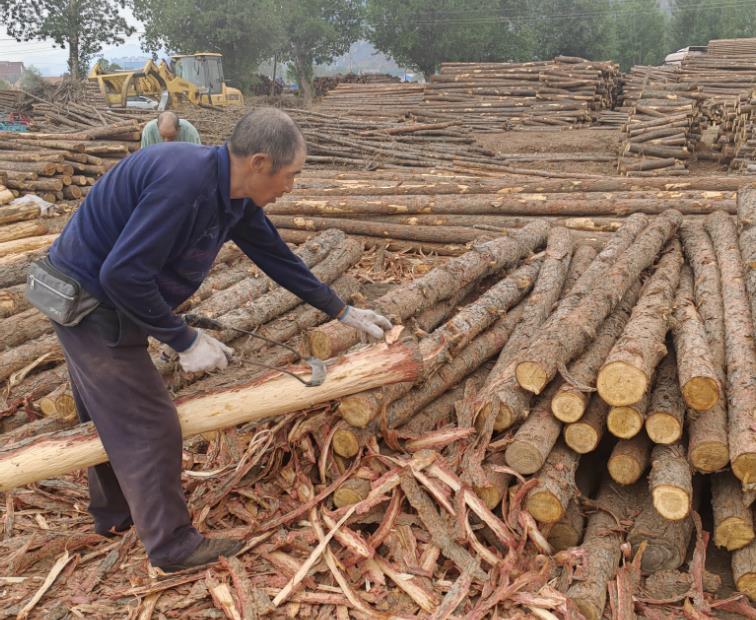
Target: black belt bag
{"x":56,"y":295}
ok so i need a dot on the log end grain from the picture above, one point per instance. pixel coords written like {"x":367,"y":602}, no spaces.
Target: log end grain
{"x":524,"y":457}
{"x":708,"y":457}
{"x":744,"y":467}
{"x":563,"y":536}
{"x":357,"y":410}
{"x":624,"y":469}
{"x":531,"y":376}
{"x":568,"y":405}
{"x":663,"y":428}
{"x":544,"y":506}
{"x":582,"y":438}
{"x":352,"y":491}
{"x":733,"y":533}
{"x":320,"y":345}
{"x":345,"y":443}
{"x":747,"y":585}
{"x":624,"y":421}
{"x":505,"y":417}
{"x":671,"y":502}
{"x":701,"y":393}
{"x":620,"y":383}
{"x":490,"y":494}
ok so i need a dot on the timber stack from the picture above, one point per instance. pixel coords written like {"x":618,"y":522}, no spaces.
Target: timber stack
{"x":372,"y":101}
{"x":62,"y":166}
{"x":563,"y":92}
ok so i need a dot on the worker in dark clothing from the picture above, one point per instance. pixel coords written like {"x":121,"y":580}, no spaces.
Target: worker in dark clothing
{"x":141,"y":243}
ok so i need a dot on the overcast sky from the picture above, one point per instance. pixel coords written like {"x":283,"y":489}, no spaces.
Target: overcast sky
{"x":52,"y":60}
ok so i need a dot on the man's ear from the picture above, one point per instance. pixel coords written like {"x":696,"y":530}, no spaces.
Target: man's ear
{"x":260,"y":162}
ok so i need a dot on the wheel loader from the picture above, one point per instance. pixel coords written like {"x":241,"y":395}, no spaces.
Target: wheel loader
{"x":194,"y":78}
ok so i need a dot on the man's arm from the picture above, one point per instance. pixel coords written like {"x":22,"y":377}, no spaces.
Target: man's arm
{"x":189,"y":133}
{"x":260,"y":241}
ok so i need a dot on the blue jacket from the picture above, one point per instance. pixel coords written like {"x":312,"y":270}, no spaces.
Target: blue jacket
{"x":147,"y":234}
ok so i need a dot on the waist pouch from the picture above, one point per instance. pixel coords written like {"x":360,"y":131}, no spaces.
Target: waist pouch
{"x":56,"y":295}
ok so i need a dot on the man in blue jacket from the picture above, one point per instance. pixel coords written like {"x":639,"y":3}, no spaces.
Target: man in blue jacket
{"x":141,"y":243}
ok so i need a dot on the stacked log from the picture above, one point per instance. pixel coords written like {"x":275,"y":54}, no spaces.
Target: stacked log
{"x":372,"y":101}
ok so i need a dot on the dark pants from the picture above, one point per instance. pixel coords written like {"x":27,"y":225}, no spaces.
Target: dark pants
{"x":116,"y":386}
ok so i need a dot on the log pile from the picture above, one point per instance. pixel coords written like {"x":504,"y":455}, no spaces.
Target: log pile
{"x":62,"y":166}
{"x":372,"y":101}
{"x":563,"y":92}
{"x":326,"y":83}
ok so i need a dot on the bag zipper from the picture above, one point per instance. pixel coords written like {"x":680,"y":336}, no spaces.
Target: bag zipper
{"x":33,"y":281}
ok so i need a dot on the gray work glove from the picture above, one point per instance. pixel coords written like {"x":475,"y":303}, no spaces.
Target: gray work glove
{"x":367,"y":321}
{"x":205,"y":354}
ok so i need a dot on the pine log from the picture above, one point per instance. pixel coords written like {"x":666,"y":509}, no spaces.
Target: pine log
{"x":584,"y":435}
{"x":437,"y":285}
{"x":560,"y":341}
{"x":626,"y":373}
{"x":570,"y":401}
{"x":497,"y":482}
{"x":626,"y":421}
{"x":629,"y":459}
{"x":739,"y":348}
{"x":22,"y":230}
{"x":707,"y":434}
{"x":13,"y":300}
{"x":24,"y":354}
{"x":733,"y":519}
{"x":270,"y":394}
{"x":59,"y":403}
{"x":747,"y":241}
{"x":696,"y":371}
{"x":568,"y":531}
{"x":549,"y":499}
{"x":670,"y":482}
{"x":744,"y":570}
{"x":666,"y":541}
{"x":666,"y":411}
{"x":19,"y":213}
{"x":24,"y":326}
{"x":352,"y":491}
{"x":28,"y":244}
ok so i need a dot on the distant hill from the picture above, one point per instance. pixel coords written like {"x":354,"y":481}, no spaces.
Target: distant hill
{"x":362,"y":58}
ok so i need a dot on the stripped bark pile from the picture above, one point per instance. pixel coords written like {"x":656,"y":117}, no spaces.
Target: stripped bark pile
{"x":62,"y":166}
{"x":563,"y":92}
{"x":662,"y":126}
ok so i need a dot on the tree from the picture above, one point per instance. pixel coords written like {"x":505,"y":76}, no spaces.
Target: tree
{"x":83,"y":26}
{"x":422,"y":34}
{"x":581,"y":28}
{"x":317,"y":31}
{"x":244,"y":31}
{"x":107,"y":66}
{"x":695,"y":22}
{"x":31,"y":81}
{"x":640,"y":27}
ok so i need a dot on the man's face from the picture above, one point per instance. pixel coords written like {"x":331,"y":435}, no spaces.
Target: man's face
{"x":168,"y":132}
{"x":266,"y":186}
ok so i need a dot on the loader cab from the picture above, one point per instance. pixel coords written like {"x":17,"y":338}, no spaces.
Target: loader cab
{"x":203,"y":70}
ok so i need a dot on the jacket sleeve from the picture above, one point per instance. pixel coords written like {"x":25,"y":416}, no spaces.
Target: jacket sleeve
{"x":161,"y":219}
{"x":260,"y":241}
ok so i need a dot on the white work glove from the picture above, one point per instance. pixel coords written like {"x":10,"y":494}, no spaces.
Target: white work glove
{"x":367,"y":321}
{"x":205,"y":354}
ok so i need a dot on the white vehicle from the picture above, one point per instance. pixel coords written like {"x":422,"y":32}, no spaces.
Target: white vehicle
{"x":686,"y":52}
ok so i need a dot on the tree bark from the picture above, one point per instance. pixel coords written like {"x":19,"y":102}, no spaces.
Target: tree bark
{"x":671,"y":482}
{"x":733,"y":519}
{"x":627,"y":371}
{"x":747,"y":227}
{"x":666,"y":411}
{"x":739,"y":349}
{"x":270,"y":394}
{"x":629,"y":459}
{"x":24,"y":326}
{"x":744,"y":570}
{"x":549,"y":499}
{"x":13,"y":300}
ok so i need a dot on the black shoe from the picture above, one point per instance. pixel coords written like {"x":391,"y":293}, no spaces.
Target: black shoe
{"x":209,"y":550}
{"x":115,"y":529}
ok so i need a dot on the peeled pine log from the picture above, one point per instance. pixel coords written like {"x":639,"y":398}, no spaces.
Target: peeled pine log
{"x":707,"y":434}
{"x":549,"y":499}
{"x":626,"y":421}
{"x":671,"y":482}
{"x":666,"y":541}
{"x":6,"y":195}
{"x":568,"y":531}
{"x":584,"y":435}
{"x":601,"y":549}
{"x":501,"y":399}
{"x":569,"y":402}
{"x":629,"y":459}
{"x":744,"y":570}
{"x":437,"y":285}
{"x":739,"y":348}
{"x":19,"y":246}
{"x":696,"y":371}
{"x":733,"y":518}
{"x":270,"y":394}
{"x":21,"y":230}
{"x":626,"y":373}
{"x":666,"y":411}
{"x":560,"y":341}
{"x":19,"y":213}
{"x":13,"y":300}
{"x":747,"y":241}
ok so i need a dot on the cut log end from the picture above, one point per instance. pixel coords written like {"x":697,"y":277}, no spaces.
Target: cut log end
{"x":621,"y":384}
{"x":524,"y":457}
{"x":351,"y":492}
{"x":624,"y":469}
{"x":733,"y":533}
{"x":624,"y":422}
{"x":568,"y":406}
{"x":544,"y":506}
{"x":701,"y":393}
{"x":588,"y":609}
{"x":531,"y":376}
{"x":490,"y":494}
{"x":505,"y":417}
{"x":346,"y":443}
{"x":744,"y":467}
{"x":708,"y":457}
{"x":320,"y":345}
{"x":582,"y":438}
{"x":357,"y":410}
{"x":563,"y":536}
{"x":671,"y":502}
{"x":663,"y":428}
{"x":747,"y":585}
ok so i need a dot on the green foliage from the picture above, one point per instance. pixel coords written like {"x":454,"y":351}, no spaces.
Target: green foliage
{"x":107,"y":66}
{"x":317,"y":31}
{"x":583,"y":28}
{"x":641,"y":28}
{"x":696,"y":22}
{"x":83,"y":26}
{"x":4,"y":85}
{"x":244,"y":31}
{"x":32,"y":82}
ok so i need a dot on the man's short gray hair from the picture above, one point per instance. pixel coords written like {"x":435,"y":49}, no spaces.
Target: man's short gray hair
{"x":269,"y":131}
